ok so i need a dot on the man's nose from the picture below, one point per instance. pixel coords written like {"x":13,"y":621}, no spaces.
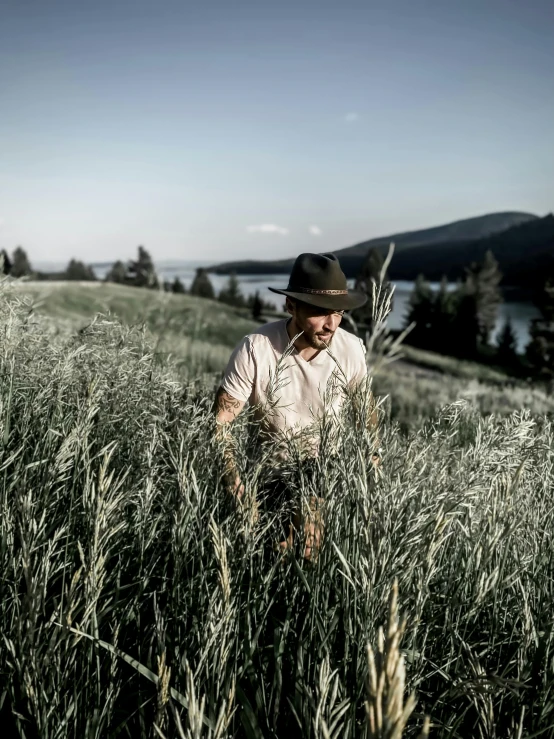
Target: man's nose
{"x":331,"y":322}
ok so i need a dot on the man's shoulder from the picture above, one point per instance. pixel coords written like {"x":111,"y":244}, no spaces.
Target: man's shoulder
{"x":268,"y":331}
{"x":271,"y":333}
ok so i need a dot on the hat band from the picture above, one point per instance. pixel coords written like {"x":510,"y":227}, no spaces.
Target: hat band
{"x":316,"y":292}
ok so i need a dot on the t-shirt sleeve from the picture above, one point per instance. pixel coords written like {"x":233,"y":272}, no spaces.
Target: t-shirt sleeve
{"x":240,"y":374}
{"x":359,"y":365}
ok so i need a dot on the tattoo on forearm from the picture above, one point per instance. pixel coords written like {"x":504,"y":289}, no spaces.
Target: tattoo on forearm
{"x":225,"y":402}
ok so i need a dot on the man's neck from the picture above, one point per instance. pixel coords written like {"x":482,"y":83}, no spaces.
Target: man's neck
{"x":306,"y":351}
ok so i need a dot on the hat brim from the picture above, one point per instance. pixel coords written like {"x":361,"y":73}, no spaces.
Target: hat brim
{"x":353,"y":299}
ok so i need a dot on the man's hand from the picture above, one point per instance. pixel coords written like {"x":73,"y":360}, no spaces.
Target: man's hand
{"x":248,"y":507}
{"x":236,"y":488}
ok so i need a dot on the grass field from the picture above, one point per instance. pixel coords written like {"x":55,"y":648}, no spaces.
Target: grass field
{"x":135,"y":602}
{"x":197,"y":335}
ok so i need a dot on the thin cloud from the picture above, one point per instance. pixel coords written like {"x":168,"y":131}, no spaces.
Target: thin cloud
{"x":268,"y":228}
{"x":351,"y":117}
{"x":315,"y":230}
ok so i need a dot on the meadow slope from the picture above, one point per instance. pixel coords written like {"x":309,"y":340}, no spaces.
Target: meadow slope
{"x":135,"y":602}
{"x":196,"y":336}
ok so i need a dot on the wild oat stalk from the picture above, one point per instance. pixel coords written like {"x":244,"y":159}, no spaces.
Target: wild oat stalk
{"x":387,"y":714}
{"x":382,"y":348}
{"x":113,"y":524}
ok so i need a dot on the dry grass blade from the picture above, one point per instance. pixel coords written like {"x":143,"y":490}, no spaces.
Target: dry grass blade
{"x":387,"y":714}
{"x":143,"y":670}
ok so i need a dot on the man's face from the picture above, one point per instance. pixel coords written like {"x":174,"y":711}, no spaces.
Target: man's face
{"x":318,"y":324}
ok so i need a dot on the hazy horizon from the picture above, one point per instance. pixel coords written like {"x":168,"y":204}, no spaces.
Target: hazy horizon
{"x":248,"y":130}
{"x":55,"y":264}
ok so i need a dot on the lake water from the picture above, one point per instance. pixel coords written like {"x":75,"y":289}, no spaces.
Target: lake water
{"x":520,"y":313}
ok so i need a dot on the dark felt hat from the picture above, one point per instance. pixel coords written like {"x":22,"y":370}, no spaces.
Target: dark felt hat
{"x":318,"y":279}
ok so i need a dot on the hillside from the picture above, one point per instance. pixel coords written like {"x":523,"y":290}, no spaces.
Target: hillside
{"x":450,"y":234}
{"x":524,"y":252}
{"x":198,"y":334}
{"x":188,"y":315}
{"x":137,"y":595}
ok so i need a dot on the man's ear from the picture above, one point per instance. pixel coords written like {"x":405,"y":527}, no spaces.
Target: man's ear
{"x":289,"y":306}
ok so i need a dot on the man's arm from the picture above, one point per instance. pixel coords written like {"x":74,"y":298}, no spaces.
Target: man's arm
{"x":227,"y":409}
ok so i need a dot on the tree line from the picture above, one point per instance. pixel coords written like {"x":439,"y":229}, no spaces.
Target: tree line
{"x":139,"y":272}
{"x":455,"y":320}
{"x":142,"y":273}
{"x":230,"y":294}
{"x":459,"y":320}
{"x":18,"y":265}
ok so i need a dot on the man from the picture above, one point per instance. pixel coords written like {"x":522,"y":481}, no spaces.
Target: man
{"x":295,"y":372}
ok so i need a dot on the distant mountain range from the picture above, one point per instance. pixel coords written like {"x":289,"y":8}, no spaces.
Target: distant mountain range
{"x":522,"y":243}
{"x":525,"y":252}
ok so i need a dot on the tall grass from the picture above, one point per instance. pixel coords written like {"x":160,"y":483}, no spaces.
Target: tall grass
{"x":135,"y":602}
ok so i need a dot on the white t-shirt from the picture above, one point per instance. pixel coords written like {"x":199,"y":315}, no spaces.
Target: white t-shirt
{"x":290,"y":393}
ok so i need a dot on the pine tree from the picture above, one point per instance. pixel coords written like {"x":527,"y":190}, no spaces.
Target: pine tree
{"x":540,"y":351}
{"x":201,"y":285}
{"x":21,"y":267}
{"x":420,"y":312}
{"x":141,"y":273}
{"x":5,"y":263}
{"x":483,"y":282}
{"x":117,"y":273}
{"x":507,"y":345}
{"x":368,"y":276}
{"x":177,"y":286}
{"x":443,"y":318}
{"x":231,"y":294}
{"x":77,"y":270}
{"x":465,"y":327}
{"x":476,"y":303}
{"x":257,"y":307}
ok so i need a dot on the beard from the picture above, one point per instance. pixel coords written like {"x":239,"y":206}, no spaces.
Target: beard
{"x":316,"y":341}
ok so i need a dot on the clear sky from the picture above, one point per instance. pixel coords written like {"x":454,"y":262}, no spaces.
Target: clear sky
{"x":227,"y":128}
